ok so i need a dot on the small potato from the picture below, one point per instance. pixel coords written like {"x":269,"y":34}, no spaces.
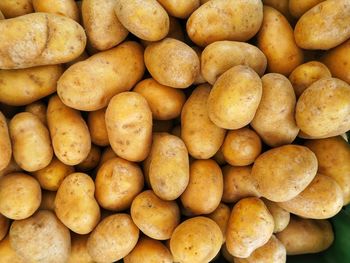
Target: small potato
{"x":172,"y":63}
{"x":306,"y":236}
{"x":238,"y":184}
{"x":69,"y":132}
{"x":66,"y":8}
{"x":284,"y":172}
{"x":155,"y":217}
{"x":47,"y":200}
{"x":274,"y":120}
{"x":113,"y":238}
{"x":107,"y":154}
{"x":5,"y":143}
{"x":75,"y":204}
{"x":220,"y":56}
{"x":306,"y":74}
{"x":129,"y":126}
{"x":91,"y":161}
{"x":31,"y":142}
{"x":250,"y":226}
{"x":221,"y":216}
{"x":280,"y":5}
{"x":20,"y":196}
{"x":114,"y":71}
{"x":165,"y":102}
{"x":241,"y":147}
{"x":180,"y":8}
{"x":323,"y":110}
{"x":41,"y":238}
{"x":117,"y":183}
{"x":79,"y":253}
{"x":146,"y":19}
{"x":217,"y":20}
{"x":4,"y":226}
{"x":31,"y":84}
{"x":39,"y":109}
{"x":297,"y":8}
{"x":149,"y":250}
{"x":235,"y":97}
{"x":51,"y":176}
{"x":7,"y":254}
{"x":97,"y":127}
{"x":198,"y":239}
{"x":276,"y":40}
{"x":324,"y":26}
{"x":102,"y":26}
{"x":280,"y":216}
{"x":12,"y":167}
{"x":39,"y":39}
{"x":16,"y":8}
{"x":201,"y":136}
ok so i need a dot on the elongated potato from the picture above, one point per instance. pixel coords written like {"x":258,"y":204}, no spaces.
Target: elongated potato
{"x":79,"y":253}
{"x":115,"y":71}
{"x":12,"y":8}
{"x":280,"y":216}
{"x":7,"y":253}
{"x":39,"y":39}
{"x":31,"y":84}
{"x":5,"y":143}
{"x":97,"y":127}
{"x":66,"y":8}
{"x":4,"y":226}
{"x":297,"y":8}
{"x":129,"y":126}
{"x":221,"y":216}
{"x":39,"y":109}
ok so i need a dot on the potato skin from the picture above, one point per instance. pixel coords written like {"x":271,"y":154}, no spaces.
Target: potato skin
{"x":91,"y":161}
{"x":280,"y":216}
{"x":4,"y":226}
{"x":221,"y":216}
{"x":1,"y":16}
{"x":12,"y":8}
{"x":12,"y":167}
{"x":280,"y":5}
{"x":7,"y":254}
{"x":235,"y":97}
{"x":66,"y":8}
{"x":39,"y":109}
{"x":5,"y":143}
{"x":180,"y":8}
{"x":97,"y":127}
{"x":297,"y":8}
{"x":79,"y":253}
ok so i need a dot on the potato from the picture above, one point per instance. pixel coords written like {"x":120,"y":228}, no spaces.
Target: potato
{"x":220,"y":56}
{"x":250,"y":226}
{"x":39,"y":109}
{"x":47,"y":200}
{"x":118,"y":182}
{"x":235,"y":97}
{"x":155,"y":217}
{"x":274,"y":120}
{"x":306,"y":236}
{"x":66,"y":8}
{"x":323,"y":110}
{"x":238,"y":184}
{"x":196,"y":239}
{"x":114,"y":71}
{"x":217,"y":20}
{"x":97,"y":127}
{"x":79,"y":253}
{"x":324,"y":26}
{"x":7,"y":254}
{"x":107,"y":154}
{"x":113,"y":238}
{"x":221,"y":216}
{"x":69,"y":132}
{"x":82,"y":57}
{"x":199,"y":79}
{"x":180,"y":8}
{"x":280,"y":216}
{"x":41,"y":238}
{"x":145,"y":19}
{"x":75,"y":204}
{"x":39,"y":39}
{"x":92,"y":160}
{"x":102,"y":26}
{"x":12,"y":8}
{"x":297,"y":8}
{"x":172,"y":63}
{"x":201,"y":136}
{"x":276,"y":40}
{"x":12,"y":167}
{"x":31,"y":84}
{"x":281,"y":5}
{"x":51,"y":176}
{"x":5,"y":143}
{"x":1,"y":16}
{"x":4,"y":226}
{"x":129,"y":126}
{"x":165,"y":102}
{"x":149,"y":250}
{"x":272,"y":251}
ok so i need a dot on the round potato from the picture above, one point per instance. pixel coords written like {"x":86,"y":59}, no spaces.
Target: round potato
{"x":7,"y":254}
{"x":5,"y":143}
{"x":79,"y":253}
{"x":66,"y":8}
{"x":4,"y":226}
{"x":16,"y":8}
{"x":221,"y":216}
{"x":280,"y":216}
{"x":91,"y":161}
{"x":47,"y":200}
{"x":297,"y":8}
{"x":97,"y":127}
{"x":180,"y":8}
{"x":235,"y":97}
{"x":39,"y":109}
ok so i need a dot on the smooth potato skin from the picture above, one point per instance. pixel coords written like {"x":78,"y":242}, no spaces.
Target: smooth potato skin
{"x":12,"y":8}
{"x":66,"y":8}
{"x":7,"y":254}
{"x":180,"y":8}
{"x":280,"y":216}
{"x":297,"y":8}
{"x":97,"y":127}
{"x":221,"y":216}
{"x":39,"y":109}
{"x":79,"y":253}
{"x":5,"y":143}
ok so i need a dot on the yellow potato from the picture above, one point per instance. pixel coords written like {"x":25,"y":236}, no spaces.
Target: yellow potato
{"x":107,"y":154}
{"x":16,"y":8}
{"x":324,"y":26}
{"x":39,"y":39}
{"x":31,"y":84}
{"x":199,"y":79}
{"x":235,"y":97}
{"x":180,"y":8}
{"x":41,"y":238}
{"x":221,"y":216}
{"x":276,"y":40}
{"x":250,"y":226}
{"x":75,"y":204}
{"x":47,"y":200}
{"x":114,"y":71}
{"x":79,"y":253}
{"x":5,"y":143}
{"x":12,"y":167}
{"x":39,"y":109}
{"x":284,"y":172}
{"x":92,"y":160}
{"x":201,"y":136}
{"x":7,"y":254}
{"x":69,"y":132}
{"x":280,"y":216}
{"x":4,"y":226}
{"x":323,"y":109}
{"x":220,"y":56}
{"x":113,"y":238}
{"x":66,"y":8}
{"x":97,"y":127}
{"x":217,"y":20}
{"x":306,"y":236}
{"x":198,"y":239}
{"x":297,"y":8}
{"x":102,"y":26}
{"x":172,"y":63}
{"x":146,"y":19}
{"x":280,"y":5}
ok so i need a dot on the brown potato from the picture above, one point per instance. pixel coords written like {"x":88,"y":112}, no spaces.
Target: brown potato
{"x":180,"y":8}
{"x":280,"y":216}
{"x":5,"y":143}
{"x":97,"y":127}
{"x":47,"y":200}
{"x":16,"y":8}
{"x":12,"y":167}
{"x":39,"y":109}
{"x":79,"y":253}
{"x":297,"y":8}
{"x":7,"y":254}
{"x":4,"y":226}
{"x":66,"y":8}
{"x":92,"y":160}
{"x":221,"y":216}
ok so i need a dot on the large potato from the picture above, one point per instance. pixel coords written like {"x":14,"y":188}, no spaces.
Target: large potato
{"x":5,"y":143}
{"x":284,"y":172}
{"x":39,"y":109}
{"x":16,"y":8}
{"x":250,"y":226}
{"x":79,"y":253}
{"x":235,"y":97}
{"x":39,"y":39}
{"x":221,"y":216}
{"x":113,"y":71}
{"x":201,"y":136}
{"x":7,"y":254}
{"x":297,"y":8}
{"x":97,"y":127}
{"x":324,"y":26}
{"x":129,"y":126}
{"x":4,"y":226}
{"x":66,"y":8}
{"x":180,"y":8}
{"x":219,"y":20}
{"x":280,"y":216}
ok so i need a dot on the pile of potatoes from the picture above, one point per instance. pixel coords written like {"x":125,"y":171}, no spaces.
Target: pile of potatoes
{"x":160,"y":131}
